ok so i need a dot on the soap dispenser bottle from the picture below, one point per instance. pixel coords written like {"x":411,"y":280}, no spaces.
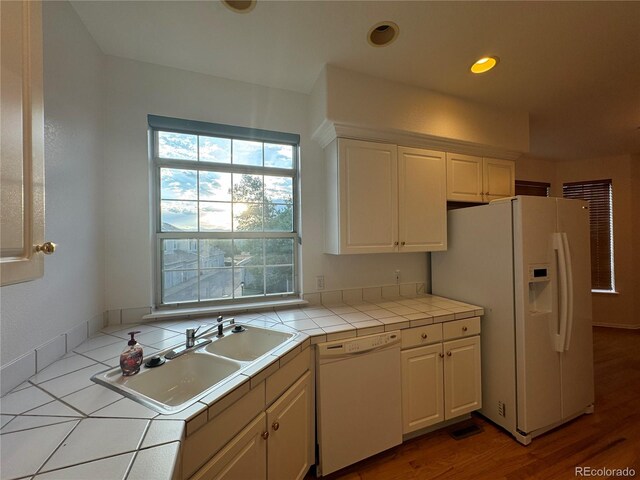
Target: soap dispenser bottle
{"x":131,"y":357}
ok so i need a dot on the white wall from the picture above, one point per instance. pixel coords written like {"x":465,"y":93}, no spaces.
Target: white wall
{"x":345,"y":97}
{"x":136,"y":89}
{"x":71,"y":291}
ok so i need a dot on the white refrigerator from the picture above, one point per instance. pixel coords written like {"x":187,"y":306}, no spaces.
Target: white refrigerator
{"x":526,"y":260}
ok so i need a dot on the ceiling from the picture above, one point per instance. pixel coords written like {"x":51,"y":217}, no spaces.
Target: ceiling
{"x":574,"y":66}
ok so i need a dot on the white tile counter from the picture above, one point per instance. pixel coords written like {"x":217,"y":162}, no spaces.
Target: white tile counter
{"x":61,"y":425}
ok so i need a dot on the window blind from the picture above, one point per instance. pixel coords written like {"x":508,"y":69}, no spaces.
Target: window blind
{"x":537,"y":189}
{"x":599,"y":194}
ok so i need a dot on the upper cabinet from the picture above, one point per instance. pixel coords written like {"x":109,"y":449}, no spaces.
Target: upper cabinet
{"x":422,"y":195}
{"x":478,"y":179}
{"x":384,"y":198}
{"x":21,"y":144}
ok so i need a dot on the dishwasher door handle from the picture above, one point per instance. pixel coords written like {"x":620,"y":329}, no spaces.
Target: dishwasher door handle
{"x":337,"y":355}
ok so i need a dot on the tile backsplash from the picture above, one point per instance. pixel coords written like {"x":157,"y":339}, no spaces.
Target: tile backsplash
{"x":367,"y":294}
{"x":32,"y":362}
{"x":14,"y":373}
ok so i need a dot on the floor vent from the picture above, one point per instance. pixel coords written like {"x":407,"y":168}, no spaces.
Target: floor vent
{"x":465,"y":430}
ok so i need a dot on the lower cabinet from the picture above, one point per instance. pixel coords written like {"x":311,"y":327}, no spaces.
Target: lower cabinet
{"x":422,"y":387}
{"x":462,"y":390}
{"x":289,"y":426}
{"x":275,"y":445}
{"x":440,"y":374}
{"x":244,"y":457}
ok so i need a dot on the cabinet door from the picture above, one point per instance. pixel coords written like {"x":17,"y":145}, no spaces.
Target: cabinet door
{"x":499,"y":178}
{"x":464,"y":178}
{"x":21,"y":142}
{"x":368,"y":178}
{"x":422,"y":395}
{"x":290,"y":436}
{"x":422,"y":202}
{"x":244,"y":457}
{"x":462,"y":390}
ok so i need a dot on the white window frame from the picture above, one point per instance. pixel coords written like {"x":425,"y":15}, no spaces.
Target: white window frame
{"x":167,"y":124}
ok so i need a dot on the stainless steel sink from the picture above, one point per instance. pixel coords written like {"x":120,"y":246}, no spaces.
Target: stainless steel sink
{"x":182,"y":380}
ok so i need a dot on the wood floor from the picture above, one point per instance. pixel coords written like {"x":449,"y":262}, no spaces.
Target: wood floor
{"x":609,"y":438}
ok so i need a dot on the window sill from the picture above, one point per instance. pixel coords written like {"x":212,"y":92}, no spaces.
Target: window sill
{"x":236,"y":308}
{"x":606,"y":292}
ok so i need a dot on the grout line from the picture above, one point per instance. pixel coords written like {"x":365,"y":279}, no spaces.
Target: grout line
{"x":57,"y":448}
{"x":62,"y":420}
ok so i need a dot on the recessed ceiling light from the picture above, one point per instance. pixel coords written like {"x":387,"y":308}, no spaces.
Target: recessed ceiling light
{"x":383,"y":33}
{"x":239,"y":6}
{"x":484,"y":64}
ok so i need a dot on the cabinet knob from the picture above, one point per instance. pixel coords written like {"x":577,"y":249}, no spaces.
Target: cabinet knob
{"x":403,"y":243}
{"x":441,"y":354}
{"x":464,"y":329}
{"x":448,"y":354}
{"x":395,"y":243}
{"x":265,"y":435}
{"x":47,"y":248}
{"x":275,"y":425}
{"x":424,"y":336}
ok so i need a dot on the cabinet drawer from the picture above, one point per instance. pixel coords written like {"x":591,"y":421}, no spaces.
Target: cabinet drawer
{"x":461,"y":328}
{"x":415,"y":337}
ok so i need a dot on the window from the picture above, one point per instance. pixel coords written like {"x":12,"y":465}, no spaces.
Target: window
{"x":225,"y":212}
{"x":599,"y":194}
{"x":538,"y":189}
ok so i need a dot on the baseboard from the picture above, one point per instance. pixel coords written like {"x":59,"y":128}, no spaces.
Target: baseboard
{"x":616,"y":325}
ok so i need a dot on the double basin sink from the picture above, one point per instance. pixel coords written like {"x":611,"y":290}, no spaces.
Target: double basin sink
{"x":179,"y":382}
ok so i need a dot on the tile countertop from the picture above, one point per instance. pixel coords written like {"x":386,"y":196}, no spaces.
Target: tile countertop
{"x":61,"y":425}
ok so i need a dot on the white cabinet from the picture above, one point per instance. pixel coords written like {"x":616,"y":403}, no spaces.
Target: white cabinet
{"x":243,"y":457}
{"x":267,"y":432}
{"x":422,"y":387}
{"x":383,"y":198}
{"x":422,"y":197}
{"x":290,"y":437}
{"x":440,"y":373}
{"x":21,"y":142}
{"x":275,"y":445}
{"x":362,"y":210}
{"x":498,"y":178}
{"x":478,"y":179}
{"x":462,"y":390}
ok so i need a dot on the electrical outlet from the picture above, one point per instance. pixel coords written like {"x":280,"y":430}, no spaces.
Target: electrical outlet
{"x":320,"y":282}
{"x":397,"y":277}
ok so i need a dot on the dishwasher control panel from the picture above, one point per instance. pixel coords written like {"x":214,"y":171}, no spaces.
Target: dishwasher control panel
{"x":359,"y":344}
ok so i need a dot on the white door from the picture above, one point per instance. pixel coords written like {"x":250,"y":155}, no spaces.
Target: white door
{"x":422,"y":387}
{"x":242,"y":458}
{"x":577,"y":358}
{"x":499,"y":178}
{"x":462,"y":377}
{"x":422,"y":200}
{"x":537,"y":327}
{"x":289,"y":424}
{"x":464,"y":178}
{"x":21,"y":142}
{"x":368,"y":176}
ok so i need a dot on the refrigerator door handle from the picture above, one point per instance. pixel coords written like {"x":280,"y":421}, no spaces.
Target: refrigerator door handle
{"x":558,"y":247}
{"x":569,"y":275}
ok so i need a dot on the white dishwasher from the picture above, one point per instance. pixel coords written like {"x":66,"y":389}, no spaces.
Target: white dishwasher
{"x":359,"y":399}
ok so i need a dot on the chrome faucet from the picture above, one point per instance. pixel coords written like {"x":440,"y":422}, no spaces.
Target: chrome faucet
{"x":191,"y":335}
